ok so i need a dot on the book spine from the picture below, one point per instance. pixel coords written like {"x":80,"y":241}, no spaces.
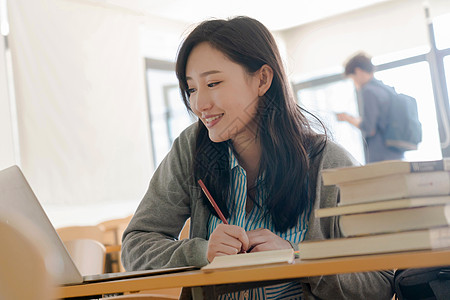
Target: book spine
{"x":440,"y":238}
{"x":394,"y":220}
{"x":431,"y":184}
{"x":397,"y":186}
{"x":430,"y":166}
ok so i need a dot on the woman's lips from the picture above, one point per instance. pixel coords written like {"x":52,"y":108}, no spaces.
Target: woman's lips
{"x":212,"y":120}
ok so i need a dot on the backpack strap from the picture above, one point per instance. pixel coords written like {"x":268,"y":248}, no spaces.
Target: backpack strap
{"x":441,"y":286}
{"x":423,"y":283}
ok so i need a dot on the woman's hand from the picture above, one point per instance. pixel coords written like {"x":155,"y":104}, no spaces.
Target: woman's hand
{"x":355,"y":121}
{"x":226,"y":240}
{"x":263,"y":240}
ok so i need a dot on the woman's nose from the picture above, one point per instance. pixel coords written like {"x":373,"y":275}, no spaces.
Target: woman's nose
{"x":202,"y":101}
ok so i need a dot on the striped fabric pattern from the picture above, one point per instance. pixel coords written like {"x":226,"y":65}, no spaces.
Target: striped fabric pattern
{"x":253,"y":220}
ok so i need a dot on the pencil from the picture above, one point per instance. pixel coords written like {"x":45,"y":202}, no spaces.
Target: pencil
{"x":211,"y":200}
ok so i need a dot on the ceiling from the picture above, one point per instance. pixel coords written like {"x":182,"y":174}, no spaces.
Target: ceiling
{"x":275,"y":14}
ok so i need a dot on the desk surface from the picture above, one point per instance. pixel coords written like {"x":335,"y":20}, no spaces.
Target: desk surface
{"x":263,"y":273}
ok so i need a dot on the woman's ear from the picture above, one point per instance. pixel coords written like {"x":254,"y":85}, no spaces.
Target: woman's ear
{"x":265,"y":74}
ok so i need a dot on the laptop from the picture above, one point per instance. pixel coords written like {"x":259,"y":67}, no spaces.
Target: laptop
{"x":17,"y":196}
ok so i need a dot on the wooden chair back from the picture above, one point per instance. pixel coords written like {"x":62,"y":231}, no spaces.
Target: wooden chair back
{"x":113,"y":230}
{"x":184,"y":234}
{"x":88,"y":255}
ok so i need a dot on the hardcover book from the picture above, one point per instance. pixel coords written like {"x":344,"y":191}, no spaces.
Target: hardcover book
{"x":395,"y":186}
{"x":381,"y":205}
{"x":425,"y":239}
{"x":395,"y":220}
{"x":383,"y":168}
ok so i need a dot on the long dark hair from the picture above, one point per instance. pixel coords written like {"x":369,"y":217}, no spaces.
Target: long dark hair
{"x":288,"y":143}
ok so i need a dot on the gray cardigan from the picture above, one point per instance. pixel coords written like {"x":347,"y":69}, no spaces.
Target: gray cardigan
{"x":150,"y":240}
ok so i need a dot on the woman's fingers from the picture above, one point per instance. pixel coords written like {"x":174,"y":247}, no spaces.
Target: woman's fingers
{"x":263,"y":240}
{"x":226,"y":240}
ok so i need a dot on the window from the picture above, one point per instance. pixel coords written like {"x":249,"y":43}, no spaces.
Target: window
{"x":415,"y":80}
{"x":447,"y":74}
{"x":324,"y":101}
{"x":168,"y":115}
{"x":410,"y":74}
{"x":442,"y":31}
{"x":442,"y":52}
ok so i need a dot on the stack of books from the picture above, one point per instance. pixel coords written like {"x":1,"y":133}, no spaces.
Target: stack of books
{"x":388,"y":206}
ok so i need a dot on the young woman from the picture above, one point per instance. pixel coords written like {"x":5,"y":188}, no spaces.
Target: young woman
{"x":259,"y":157}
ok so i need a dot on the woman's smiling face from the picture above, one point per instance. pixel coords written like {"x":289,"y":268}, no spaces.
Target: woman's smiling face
{"x":222,"y":94}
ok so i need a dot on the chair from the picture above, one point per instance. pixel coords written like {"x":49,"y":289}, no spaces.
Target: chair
{"x":109,"y":233}
{"x":25,"y":263}
{"x":163,"y":294}
{"x":173,"y":293}
{"x":112,"y":239}
{"x":113,"y":230}
{"x":184,"y":234}
{"x":89,"y":232}
{"x":88,"y":255}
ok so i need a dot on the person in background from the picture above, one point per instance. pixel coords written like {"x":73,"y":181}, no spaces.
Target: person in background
{"x":259,"y":157}
{"x":375,"y":100}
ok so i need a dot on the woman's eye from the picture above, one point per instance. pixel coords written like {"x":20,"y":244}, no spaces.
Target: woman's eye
{"x":213,"y":84}
{"x":190,"y":91}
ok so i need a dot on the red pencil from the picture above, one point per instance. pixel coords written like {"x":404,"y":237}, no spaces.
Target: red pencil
{"x":211,"y":200}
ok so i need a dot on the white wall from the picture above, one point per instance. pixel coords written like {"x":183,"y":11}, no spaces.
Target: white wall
{"x":323,"y":46}
{"x":160,"y":38}
{"x":83,"y":116}
{"x":6,"y":131}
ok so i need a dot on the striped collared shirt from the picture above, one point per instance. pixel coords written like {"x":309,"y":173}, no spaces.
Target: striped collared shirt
{"x":253,"y":220}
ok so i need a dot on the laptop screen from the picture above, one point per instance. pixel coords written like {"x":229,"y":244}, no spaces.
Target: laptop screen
{"x":17,"y":197}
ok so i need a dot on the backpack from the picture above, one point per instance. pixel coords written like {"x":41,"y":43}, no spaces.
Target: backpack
{"x":422,"y":283}
{"x":403,"y":130}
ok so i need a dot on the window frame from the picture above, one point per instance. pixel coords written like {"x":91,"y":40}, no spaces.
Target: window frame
{"x":435,"y":59}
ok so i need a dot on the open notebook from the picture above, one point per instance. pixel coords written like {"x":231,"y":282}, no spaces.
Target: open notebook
{"x":16,"y":196}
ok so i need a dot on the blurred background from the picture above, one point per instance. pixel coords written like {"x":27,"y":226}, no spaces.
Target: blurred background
{"x":89,"y":103}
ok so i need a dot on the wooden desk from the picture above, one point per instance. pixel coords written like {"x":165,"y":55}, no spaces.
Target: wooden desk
{"x":263,"y":273}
